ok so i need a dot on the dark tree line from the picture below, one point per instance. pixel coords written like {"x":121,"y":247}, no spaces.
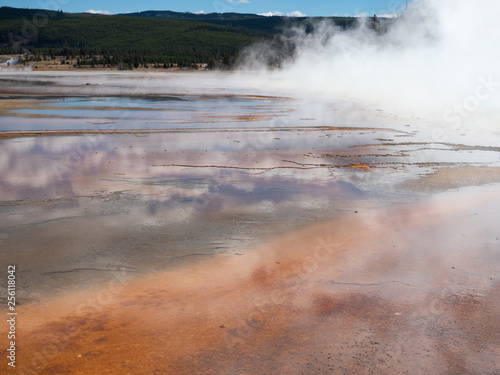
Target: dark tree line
{"x":128,"y":42}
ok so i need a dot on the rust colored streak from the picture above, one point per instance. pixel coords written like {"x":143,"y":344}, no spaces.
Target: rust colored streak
{"x":363,"y":167}
{"x":333,"y":298}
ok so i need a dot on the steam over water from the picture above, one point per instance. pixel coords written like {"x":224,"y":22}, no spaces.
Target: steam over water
{"x":438,"y":58}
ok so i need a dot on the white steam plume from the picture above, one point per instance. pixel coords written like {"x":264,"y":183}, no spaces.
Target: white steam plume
{"x":440,"y":58}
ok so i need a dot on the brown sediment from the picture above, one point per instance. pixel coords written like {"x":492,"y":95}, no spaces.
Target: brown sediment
{"x":452,"y":178}
{"x":303,"y":166}
{"x":38,"y":105}
{"x":12,"y":104}
{"x":363,"y":167}
{"x":36,"y":98}
{"x":240,"y":167}
{"x":52,"y":116}
{"x":243,"y":118}
{"x":355,"y":295}
{"x":454,"y":146}
{"x":32,"y":133}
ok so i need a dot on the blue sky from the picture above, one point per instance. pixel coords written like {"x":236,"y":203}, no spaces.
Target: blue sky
{"x":281,"y":7}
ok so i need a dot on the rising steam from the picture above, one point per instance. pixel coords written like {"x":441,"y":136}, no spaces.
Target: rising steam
{"x":438,"y":58}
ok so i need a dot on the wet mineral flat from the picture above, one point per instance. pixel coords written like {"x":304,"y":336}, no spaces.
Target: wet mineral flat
{"x":165,"y":227}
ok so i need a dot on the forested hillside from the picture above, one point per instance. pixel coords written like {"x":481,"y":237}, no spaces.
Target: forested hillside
{"x":155,"y":38}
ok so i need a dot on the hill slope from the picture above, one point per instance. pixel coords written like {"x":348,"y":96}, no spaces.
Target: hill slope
{"x":150,"y":37}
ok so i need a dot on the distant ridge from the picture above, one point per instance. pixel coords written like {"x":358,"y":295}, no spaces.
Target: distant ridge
{"x":152,"y":38}
{"x":191,"y":16}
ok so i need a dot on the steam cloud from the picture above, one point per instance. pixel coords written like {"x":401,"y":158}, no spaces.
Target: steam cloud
{"x":439,"y":58}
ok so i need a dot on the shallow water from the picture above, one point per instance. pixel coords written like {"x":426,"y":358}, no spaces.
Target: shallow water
{"x":204,"y":201}
{"x":151,"y":112}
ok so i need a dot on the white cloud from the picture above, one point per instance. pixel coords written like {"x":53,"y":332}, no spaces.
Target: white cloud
{"x":281,"y":14}
{"x":296,"y":13}
{"x":98,"y":11}
{"x":199,"y":12}
{"x":239,"y":1}
{"x":270,"y":14}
